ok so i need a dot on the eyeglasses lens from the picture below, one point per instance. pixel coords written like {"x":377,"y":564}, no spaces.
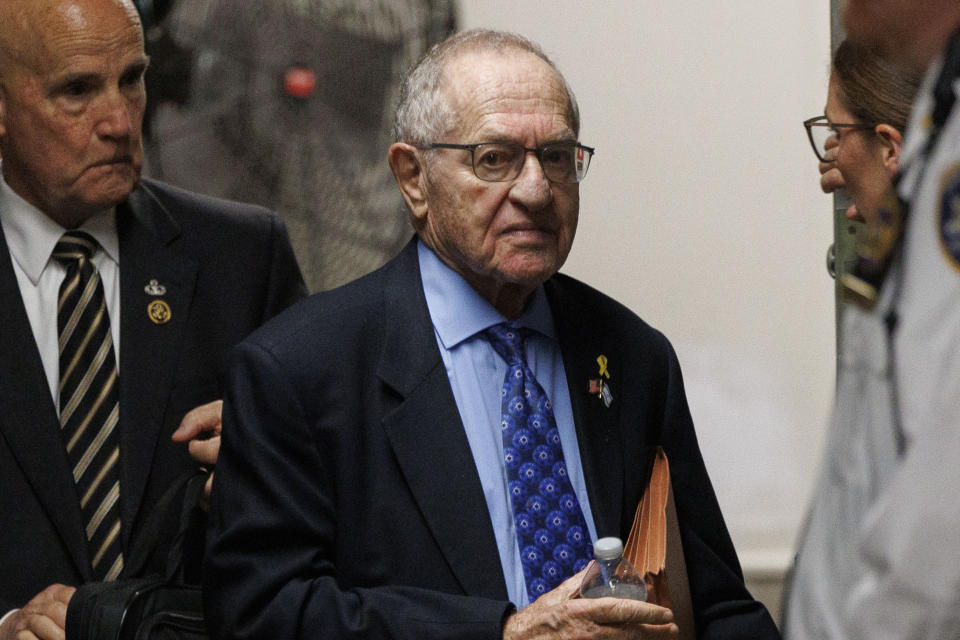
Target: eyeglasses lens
{"x":562,"y":162}
{"x":820,"y":134}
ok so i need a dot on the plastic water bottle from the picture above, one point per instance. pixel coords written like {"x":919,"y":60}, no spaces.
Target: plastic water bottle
{"x":610,"y":575}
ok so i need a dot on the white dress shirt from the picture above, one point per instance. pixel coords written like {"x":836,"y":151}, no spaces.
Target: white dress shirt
{"x":910,"y":538}
{"x":880,"y":554}
{"x":31,"y":237}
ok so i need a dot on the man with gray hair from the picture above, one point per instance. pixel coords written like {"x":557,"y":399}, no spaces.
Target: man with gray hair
{"x":429,"y":451}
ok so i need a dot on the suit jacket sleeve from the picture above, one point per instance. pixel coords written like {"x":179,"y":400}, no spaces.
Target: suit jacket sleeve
{"x":279,"y":495}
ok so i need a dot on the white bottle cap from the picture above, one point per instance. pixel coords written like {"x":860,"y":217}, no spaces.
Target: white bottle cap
{"x":607,"y":549}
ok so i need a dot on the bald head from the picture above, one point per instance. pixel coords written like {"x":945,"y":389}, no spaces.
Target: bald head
{"x":26,"y":26}
{"x":29,"y":29}
{"x":71,"y":103}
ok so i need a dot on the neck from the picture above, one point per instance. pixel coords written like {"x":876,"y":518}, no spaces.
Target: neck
{"x":509,"y":300}
{"x":68,"y":217}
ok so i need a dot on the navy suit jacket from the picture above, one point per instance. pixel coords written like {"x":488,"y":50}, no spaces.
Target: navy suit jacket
{"x":227,"y":268}
{"x":347,"y":502}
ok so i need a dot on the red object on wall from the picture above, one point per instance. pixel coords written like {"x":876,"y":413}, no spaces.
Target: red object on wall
{"x":299,"y":82}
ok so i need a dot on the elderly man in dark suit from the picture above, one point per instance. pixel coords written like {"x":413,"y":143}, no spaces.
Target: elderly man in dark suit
{"x":429,"y":451}
{"x":119,"y":300}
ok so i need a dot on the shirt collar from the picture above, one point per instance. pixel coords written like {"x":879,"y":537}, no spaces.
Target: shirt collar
{"x":31,"y":235}
{"x":458,"y":312}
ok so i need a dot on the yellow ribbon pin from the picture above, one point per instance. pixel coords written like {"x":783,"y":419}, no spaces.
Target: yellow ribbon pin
{"x":602,"y":361}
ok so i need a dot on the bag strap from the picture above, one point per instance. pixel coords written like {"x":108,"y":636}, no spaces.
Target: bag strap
{"x":174,"y":572}
{"x":146,"y":543}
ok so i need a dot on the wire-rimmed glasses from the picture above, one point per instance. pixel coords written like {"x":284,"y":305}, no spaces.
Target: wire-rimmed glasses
{"x":819,"y":129}
{"x":564,"y":162}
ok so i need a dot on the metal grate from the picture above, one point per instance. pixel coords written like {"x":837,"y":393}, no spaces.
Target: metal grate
{"x":318,"y":158}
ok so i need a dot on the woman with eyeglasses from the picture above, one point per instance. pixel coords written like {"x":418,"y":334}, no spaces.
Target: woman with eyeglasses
{"x":858,"y":142}
{"x":858,"y":138}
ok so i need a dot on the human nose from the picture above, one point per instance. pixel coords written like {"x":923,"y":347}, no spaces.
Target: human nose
{"x":532,"y":188}
{"x":116,"y":120}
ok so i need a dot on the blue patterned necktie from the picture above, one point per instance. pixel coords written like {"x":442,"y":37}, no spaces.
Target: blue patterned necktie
{"x":551,"y":531}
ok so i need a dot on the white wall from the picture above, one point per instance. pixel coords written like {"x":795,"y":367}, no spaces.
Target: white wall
{"x":702,"y":214}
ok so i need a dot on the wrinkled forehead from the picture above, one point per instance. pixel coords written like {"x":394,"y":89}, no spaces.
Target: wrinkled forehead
{"x":34,"y":33}
{"x":478,"y":82}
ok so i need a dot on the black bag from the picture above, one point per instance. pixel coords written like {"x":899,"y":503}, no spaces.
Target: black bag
{"x":136,"y":609}
{"x":157,"y":607}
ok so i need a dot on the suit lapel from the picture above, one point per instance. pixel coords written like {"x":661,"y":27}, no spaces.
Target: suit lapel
{"x":428,"y":438}
{"x":149,"y":351}
{"x":29,"y":421}
{"x":598,"y":430}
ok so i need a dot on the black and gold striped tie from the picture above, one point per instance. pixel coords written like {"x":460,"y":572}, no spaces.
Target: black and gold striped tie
{"x":89,"y":406}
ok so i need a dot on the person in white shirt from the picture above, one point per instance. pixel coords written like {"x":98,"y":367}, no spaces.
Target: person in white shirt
{"x":858,"y":142}
{"x":909,"y":586}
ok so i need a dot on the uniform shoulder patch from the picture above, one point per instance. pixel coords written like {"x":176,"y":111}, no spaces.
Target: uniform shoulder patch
{"x":950,"y":214}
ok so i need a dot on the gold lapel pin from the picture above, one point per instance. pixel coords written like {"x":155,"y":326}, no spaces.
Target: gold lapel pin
{"x":159,"y":312}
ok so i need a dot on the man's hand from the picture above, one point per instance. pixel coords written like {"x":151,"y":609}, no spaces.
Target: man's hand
{"x":201,"y":429}
{"x":559,"y":615}
{"x":43,"y":618}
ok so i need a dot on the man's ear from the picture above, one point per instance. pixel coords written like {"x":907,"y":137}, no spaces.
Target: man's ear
{"x":891,"y":141}
{"x":407,"y":165}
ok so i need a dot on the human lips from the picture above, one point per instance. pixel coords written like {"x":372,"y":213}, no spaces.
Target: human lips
{"x":124,"y":159}
{"x":121,"y":166}
{"x":529,"y":232}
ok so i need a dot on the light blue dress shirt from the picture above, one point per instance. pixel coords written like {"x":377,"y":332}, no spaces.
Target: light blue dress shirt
{"x":476,"y":374}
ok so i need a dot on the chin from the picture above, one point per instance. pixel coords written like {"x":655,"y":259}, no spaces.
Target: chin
{"x":111,"y":192}
{"x":532,"y":275}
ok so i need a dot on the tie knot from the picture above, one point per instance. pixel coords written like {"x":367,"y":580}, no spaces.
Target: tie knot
{"x":74,"y":246}
{"x":507,"y":341}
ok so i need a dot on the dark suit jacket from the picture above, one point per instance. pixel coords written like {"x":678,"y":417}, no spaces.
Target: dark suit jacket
{"x":227,"y":268}
{"x":347,"y":502}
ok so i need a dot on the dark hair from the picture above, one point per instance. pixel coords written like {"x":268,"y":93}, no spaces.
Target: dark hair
{"x":874,"y":89}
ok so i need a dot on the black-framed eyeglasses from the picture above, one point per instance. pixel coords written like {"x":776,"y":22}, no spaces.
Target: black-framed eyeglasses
{"x":563,"y":162}
{"x":819,"y":130}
